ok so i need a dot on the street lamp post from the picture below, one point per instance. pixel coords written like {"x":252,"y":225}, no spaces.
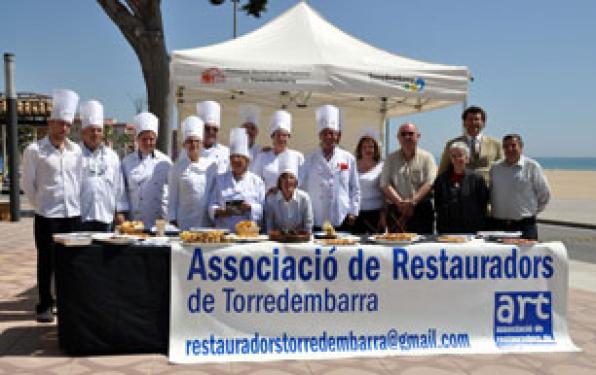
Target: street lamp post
{"x":235,"y":12}
{"x":12,"y":131}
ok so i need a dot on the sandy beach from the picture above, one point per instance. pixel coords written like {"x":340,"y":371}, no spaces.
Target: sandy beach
{"x":567,"y":184}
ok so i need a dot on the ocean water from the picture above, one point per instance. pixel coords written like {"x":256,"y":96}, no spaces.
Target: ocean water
{"x":575,"y":164}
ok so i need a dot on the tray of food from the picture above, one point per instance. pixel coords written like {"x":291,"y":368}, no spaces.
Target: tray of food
{"x":340,"y":241}
{"x":203,"y":236}
{"x":394,"y":238}
{"x":116,"y":239}
{"x":453,"y":238}
{"x":131,"y":227}
{"x":518,"y":241}
{"x":289,"y":236}
{"x":328,"y":232}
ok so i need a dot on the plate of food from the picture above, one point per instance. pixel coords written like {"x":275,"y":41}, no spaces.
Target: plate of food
{"x":234,"y":237}
{"x":328,"y":232}
{"x":289,"y":236}
{"x":499,"y":234}
{"x":130,"y":227}
{"x":115,"y":238}
{"x":518,"y":241}
{"x":340,"y":241}
{"x":394,"y":238}
{"x":203,"y":236}
{"x":453,"y":238}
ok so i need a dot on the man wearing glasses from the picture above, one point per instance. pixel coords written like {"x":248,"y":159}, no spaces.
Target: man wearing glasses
{"x":210,"y":112}
{"x":102,"y":187}
{"x":406,"y":181}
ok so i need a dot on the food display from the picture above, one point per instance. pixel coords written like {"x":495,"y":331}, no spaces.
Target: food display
{"x":339,"y":241}
{"x":247,"y":228}
{"x":518,"y":241}
{"x":396,"y":237}
{"x":131,"y":227}
{"x":290,"y":236}
{"x":328,"y":229}
{"x":452,"y":239}
{"x":206,"y":236}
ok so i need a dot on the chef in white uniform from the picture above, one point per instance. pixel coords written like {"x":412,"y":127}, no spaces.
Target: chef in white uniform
{"x":210,"y":112}
{"x":267,"y":163}
{"x":146,"y":174}
{"x":331,"y":176}
{"x":238,"y":194}
{"x":249,"y":119}
{"x":191,"y":181}
{"x":52,"y":173}
{"x":102,"y":189}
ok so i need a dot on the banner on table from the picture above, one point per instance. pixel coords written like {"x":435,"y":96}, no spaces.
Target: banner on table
{"x":268,"y":301}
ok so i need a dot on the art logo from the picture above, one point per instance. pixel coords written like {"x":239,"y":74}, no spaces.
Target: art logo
{"x":523,"y":318}
{"x":212,"y":76}
{"x":417,"y":85}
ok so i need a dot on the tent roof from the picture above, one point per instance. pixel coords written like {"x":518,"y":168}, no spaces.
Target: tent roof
{"x":300,"y":58}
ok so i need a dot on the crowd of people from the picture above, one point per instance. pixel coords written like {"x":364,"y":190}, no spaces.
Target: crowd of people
{"x":481,"y":183}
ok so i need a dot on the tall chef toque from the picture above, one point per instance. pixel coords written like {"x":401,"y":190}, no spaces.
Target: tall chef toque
{"x":64,"y":105}
{"x":288,"y":163}
{"x":146,"y":121}
{"x":327,"y":118}
{"x":193,"y":126}
{"x":249,"y":113}
{"x":210,"y":112}
{"x":239,"y":142}
{"x":280,"y":120}
{"x":91,"y":113}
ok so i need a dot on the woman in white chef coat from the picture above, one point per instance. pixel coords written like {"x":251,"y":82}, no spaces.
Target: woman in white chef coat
{"x":191,"y":180}
{"x":289,"y":209}
{"x":238,"y":194}
{"x":267,"y":163}
{"x":146,"y":174}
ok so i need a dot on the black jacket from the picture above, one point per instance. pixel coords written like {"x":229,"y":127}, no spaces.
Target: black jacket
{"x":461,"y":208}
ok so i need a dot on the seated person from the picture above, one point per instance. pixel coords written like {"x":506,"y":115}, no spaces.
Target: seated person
{"x":289,"y":209}
{"x":238,"y":194}
{"x":461,"y":195}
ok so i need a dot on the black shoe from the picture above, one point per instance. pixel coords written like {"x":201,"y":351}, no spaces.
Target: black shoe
{"x":45,"y":316}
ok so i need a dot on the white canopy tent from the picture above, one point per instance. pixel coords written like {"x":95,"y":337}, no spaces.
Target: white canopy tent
{"x":298,"y":62}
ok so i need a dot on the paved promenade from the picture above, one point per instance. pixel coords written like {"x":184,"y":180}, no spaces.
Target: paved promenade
{"x":29,"y":347}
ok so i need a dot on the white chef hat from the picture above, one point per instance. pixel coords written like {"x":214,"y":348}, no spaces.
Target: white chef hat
{"x":280,"y":120}
{"x":210,"y":112}
{"x":91,"y":113}
{"x":64,"y":105}
{"x":146,"y":121}
{"x":328,"y":117}
{"x":287,"y":163}
{"x":249,"y":113}
{"x":239,"y":142}
{"x":371,"y":133}
{"x":193,"y":126}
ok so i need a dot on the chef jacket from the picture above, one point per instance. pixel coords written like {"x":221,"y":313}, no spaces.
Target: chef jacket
{"x":146,"y":182}
{"x":332,"y":186}
{"x":254,"y":150}
{"x":190,"y":186}
{"x":266,"y":166}
{"x":220,"y":154}
{"x":250,"y":188}
{"x":102,"y":189}
{"x":52,"y":178}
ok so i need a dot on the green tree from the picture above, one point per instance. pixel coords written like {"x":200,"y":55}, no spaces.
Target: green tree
{"x":141,"y":23}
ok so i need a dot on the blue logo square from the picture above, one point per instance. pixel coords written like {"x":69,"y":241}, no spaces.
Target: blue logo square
{"x":523,"y":318}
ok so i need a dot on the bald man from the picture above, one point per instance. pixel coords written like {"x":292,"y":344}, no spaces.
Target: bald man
{"x":406,"y":181}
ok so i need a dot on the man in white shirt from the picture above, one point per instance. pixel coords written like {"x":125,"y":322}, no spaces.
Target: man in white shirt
{"x":102,"y":188}
{"x":519,"y":190}
{"x":210,"y":112}
{"x":331,"y":177}
{"x":191,"y":180}
{"x":249,"y":119}
{"x":146,"y":174}
{"x":52,"y":172}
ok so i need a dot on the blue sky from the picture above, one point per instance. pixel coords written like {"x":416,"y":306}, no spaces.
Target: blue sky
{"x":533,"y":61}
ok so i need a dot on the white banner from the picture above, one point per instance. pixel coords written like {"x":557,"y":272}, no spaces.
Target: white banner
{"x":269,"y":301}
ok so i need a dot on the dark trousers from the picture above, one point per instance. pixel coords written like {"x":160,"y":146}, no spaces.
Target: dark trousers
{"x":95,"y":226}
{"x":367,"y":222}
{"x":422,"y":221}
{"x":44,"y":228}
{"x":526,"y":225}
